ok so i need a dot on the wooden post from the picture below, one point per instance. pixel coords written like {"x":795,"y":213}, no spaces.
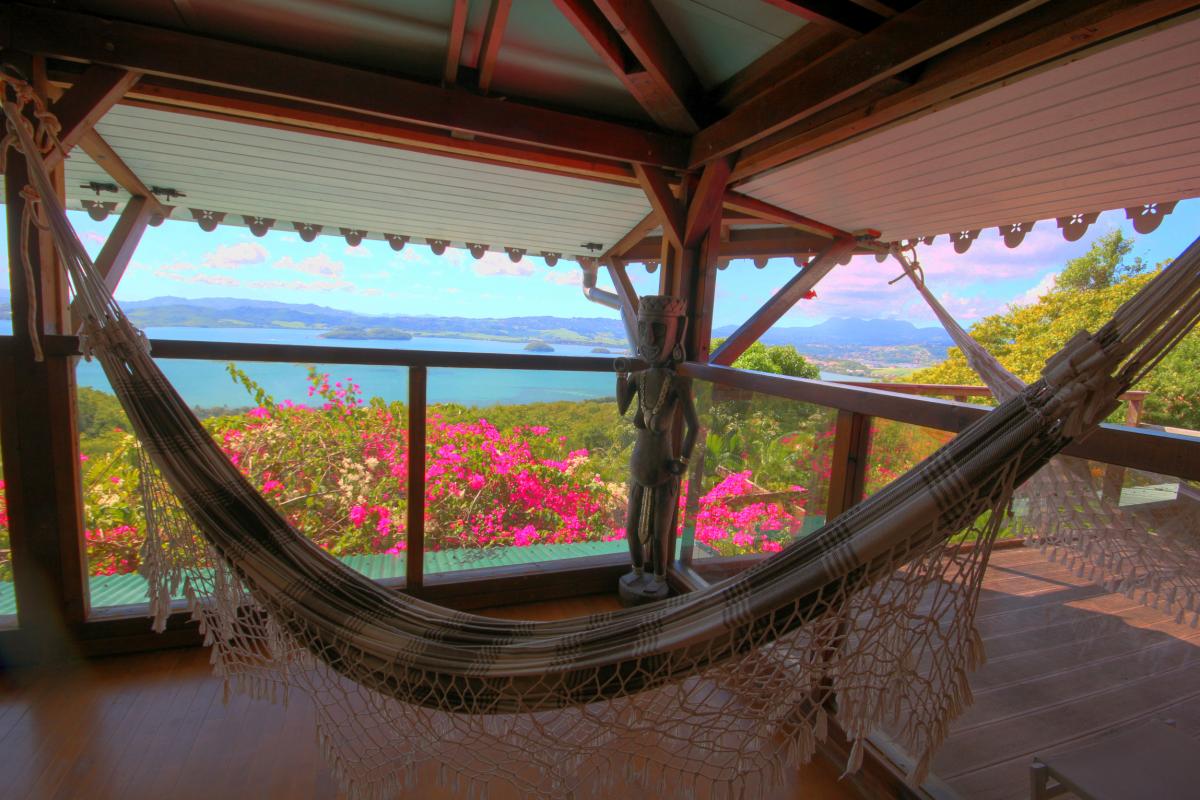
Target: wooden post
{"x":41,"y":465}
{"x":848,"y":479}
{"x":415,"y":527}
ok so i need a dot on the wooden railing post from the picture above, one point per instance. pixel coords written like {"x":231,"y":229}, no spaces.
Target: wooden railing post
{"x":848,"y":476}
{"x":415,"y":524}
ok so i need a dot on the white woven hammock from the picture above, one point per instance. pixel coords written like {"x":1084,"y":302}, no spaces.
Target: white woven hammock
{"x":868,"y":621}
{"x":1150,"y":553}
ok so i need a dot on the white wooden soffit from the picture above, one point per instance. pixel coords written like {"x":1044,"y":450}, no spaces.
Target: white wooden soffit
{"x":1116,"y":129}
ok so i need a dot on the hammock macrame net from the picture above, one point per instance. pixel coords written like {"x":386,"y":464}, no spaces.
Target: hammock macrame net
{"x":1149,"y":552}
{"x":867,"y":621}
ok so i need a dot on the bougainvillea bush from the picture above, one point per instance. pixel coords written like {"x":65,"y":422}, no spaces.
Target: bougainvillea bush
{"x":335,"y":467}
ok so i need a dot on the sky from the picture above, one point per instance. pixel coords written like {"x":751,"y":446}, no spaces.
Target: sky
{"x":177,"y":258}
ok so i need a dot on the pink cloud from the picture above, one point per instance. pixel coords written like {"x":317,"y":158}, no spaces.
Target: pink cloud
{"x":93,"y":237}
{"x":234,"y":256}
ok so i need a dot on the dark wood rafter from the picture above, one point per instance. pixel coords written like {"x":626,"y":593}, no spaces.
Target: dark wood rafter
{"x":845,"y":17}
{"x":636,"y":45}
{"x":454,"y":44}
{"x":123,"y":241}
{"x":706,"y":204}
{"x":766,"y":212}
{"x":79,"y":109}
{"x":1040,"y":36}
{"x":670,"y":212}
{"x":635,"y":236}
{"x":927,"y":29}
{"x":489,"y":43}
{"x":781,"y":302}
{"x":623,"y":286}
{"x":204,"y":61}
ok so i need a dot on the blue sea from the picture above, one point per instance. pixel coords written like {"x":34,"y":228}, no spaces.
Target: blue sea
{"x":208,"y":384}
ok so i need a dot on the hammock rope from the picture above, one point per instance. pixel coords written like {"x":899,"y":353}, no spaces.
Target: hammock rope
{"x":868,"y":621}
{"x":1151,"y":554}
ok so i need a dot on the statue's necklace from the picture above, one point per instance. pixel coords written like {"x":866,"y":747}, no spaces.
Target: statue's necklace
{"x":663,"y":389}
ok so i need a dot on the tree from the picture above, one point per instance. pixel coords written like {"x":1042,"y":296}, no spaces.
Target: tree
{"x":1023,"y":337}
{"x":780,"y":359}
{"x":1103,"y":265}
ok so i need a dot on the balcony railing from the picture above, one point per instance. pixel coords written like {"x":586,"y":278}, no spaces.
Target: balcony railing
{"x":852,"y":412}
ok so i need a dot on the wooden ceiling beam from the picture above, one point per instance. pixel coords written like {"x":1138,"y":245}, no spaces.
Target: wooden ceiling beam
{"x":662,"y":199}
{"x":927,"y":29}
{"x":1053,"y":31}
{"x":781,"y":302}
{"x":766,"y":212}
{"x":489,"y":43}
{"x":706,"y":202}
{"x":635,"y":44}
{"x":199,"y":59}
{"x":454,"y":45}
{"x":838,"y":15}
{"x":98,"y":89}
{"x":636,"y":234}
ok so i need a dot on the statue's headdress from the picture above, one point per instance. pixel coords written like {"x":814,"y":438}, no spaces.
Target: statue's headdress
{"x":661,"y":306}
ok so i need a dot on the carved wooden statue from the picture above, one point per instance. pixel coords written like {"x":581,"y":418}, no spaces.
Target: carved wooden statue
{"x":655,"y":467}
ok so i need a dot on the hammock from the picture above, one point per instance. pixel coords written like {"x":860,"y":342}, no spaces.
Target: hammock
{"x":868,"y":620}
{"x":1152,"y":554}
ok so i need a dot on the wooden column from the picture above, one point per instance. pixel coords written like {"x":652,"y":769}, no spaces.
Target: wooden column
{"x":848,"y":479}
{"x":41,"y":464}
{"x":414,"y":565}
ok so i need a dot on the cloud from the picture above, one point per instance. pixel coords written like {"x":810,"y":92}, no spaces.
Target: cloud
{"x":565,"y":277}
{"x":320,"y":265}
{"x":197,"y":277}
{"x":234,"y":256}
{"x":1037,"y":291}
{"x":371,"y":292}
{"x":93,"y":237}
{"x":501,"y":264}
{"x":357,"y":252}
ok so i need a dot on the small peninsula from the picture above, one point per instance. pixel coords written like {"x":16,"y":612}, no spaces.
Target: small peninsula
{"x":350,"y":332}
{"x":538,"y":346}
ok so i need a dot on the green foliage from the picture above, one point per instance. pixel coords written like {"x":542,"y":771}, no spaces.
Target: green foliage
{"x":1023,"y":337}
{"x":780,"y":359}
{"x":1103,"y":265}
{"x":103,"y":426}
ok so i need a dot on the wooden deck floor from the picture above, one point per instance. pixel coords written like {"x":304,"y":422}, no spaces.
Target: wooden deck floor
{"x":1067,"y":662}
{"x":154,"y":726}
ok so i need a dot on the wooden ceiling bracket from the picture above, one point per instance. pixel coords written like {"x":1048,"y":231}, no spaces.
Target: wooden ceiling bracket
{"x":669,"y":210}
{"x":782,"y":302}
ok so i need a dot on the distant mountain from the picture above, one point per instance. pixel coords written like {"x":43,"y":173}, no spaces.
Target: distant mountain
{"x":226,"y":312}
{"x":5,"y":305}
{"x":851,"y":331}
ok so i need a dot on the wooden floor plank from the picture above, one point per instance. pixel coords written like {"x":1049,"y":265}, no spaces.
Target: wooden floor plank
{"x":1067,"y":662}
{"x":156,"y":726}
